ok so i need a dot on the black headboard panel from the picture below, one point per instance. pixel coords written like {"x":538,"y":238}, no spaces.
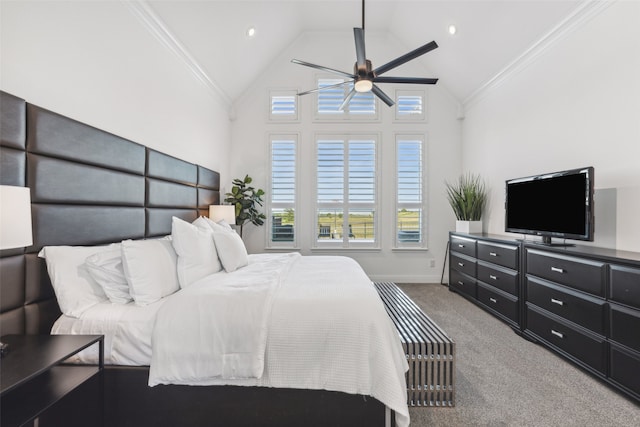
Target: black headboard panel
{"x":88,"y":187}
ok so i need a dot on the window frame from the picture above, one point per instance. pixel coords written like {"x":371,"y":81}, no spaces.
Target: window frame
{"x":345,"y":242}
{"x":284,"y":118}
{"x":270,"y":205}
{"x":422,"y":244}
{"x":345,"y":115}
{"x":410,"y":118}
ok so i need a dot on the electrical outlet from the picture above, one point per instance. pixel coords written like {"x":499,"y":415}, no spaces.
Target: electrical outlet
{"x":432,"y":263}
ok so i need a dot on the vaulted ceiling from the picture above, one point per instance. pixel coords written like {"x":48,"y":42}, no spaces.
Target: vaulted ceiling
{"x":491,"y":35}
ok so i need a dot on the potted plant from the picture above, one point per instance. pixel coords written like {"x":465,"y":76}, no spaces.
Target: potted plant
{"x":245,"y":198}
{"x":467,"y":197}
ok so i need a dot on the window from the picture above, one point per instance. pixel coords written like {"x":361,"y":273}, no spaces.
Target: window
{"x":410,"y":221}
{"x":283,"y":105}
{"x":346,"y":202}
{"x":282,"y":200}
{"x":362,"y":105}
{"x":410,"y":105}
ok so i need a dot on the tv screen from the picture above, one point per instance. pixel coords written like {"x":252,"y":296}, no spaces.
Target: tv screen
{"x":558,"y":204}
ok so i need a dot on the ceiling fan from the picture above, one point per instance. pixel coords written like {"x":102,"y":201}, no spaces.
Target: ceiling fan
{"x":365,"y":77}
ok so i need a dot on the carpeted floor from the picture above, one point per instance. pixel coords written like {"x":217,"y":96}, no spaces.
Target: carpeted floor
{"x":505,"y":380}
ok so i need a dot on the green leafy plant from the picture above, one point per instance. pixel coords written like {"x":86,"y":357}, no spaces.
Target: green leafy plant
{"x":467,"y":197}
{"x":245,"y":198}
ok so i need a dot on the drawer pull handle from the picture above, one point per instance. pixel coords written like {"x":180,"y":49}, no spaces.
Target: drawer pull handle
{"x":557,"y":301}
{"x":460,"y":282}
{"x":461,"y":264}
{"x":492,"y":277}
{"x":493,"y":300}
{"x":558,"y":334}
{"x":557,"y":270}
{"x":493,"y":254}
{"x":461,"y":246}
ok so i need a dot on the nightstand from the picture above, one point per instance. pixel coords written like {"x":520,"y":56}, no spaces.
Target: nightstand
{"x":38,"y":388}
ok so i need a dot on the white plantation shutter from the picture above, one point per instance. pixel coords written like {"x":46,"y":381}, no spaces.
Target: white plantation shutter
{"x":330,"y":100}
{"x":362,"y":179}
{"x":283,"y":106}
{"x":410,"y":105}
{"x":283,"y":171}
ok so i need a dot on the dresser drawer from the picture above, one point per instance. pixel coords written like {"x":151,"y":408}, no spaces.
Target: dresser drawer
{"x":501,"y":278}
{"x":625,"y":366}
{"x":582,"y":274}
{"x":503,"y":303}
{"x":625,"y":285}
{"x":504,"y":255}
{"x":463,"y":264}
{"x":462,"y":283}
{"x":463,"y":245}
{"x":625,"y":326}
{"x":588,"y":348}
{"x":579,"y":308}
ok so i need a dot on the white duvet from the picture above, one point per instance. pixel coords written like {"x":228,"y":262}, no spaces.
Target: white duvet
{"x":315,"y":323}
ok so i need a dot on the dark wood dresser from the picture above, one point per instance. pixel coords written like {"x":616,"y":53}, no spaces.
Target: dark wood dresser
{"x":581,"y":302}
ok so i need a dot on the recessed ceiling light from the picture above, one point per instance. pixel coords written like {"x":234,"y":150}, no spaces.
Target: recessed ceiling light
{"x":452,"y":29}
{"x":251,"y":31}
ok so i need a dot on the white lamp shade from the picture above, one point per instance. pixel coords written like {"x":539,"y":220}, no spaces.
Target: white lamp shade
{"x":223,"y":212}
{"x":15,"y":217}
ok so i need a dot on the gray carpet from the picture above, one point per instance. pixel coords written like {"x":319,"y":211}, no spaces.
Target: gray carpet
{"x":505,"y":380}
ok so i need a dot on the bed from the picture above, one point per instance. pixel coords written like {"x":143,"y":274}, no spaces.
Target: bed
{"x":91,"y":188}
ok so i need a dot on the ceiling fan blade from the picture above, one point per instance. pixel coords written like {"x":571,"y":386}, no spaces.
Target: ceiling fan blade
{"x":361,"y":56}
{"x":347,"y":99}
{"x":410,"y":80}
{"x":383,"y":96}
{"x":320,"y":67}
{"x":405,"y":58}
{"x":318,"y":89}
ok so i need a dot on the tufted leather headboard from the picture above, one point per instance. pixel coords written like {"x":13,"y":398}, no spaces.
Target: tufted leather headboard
{"x":88,"y":187}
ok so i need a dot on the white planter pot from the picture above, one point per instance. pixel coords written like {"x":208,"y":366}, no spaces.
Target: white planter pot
{"x":469,"y":226}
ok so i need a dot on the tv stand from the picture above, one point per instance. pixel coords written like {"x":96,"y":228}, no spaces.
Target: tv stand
{"x":581,"y":302}
{"x":547,"y":241}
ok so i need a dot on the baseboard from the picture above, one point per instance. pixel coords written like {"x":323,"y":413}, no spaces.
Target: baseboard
{"x":432,"y":278}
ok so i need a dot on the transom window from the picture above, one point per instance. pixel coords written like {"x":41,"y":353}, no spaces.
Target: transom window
{"x":329,"y":100}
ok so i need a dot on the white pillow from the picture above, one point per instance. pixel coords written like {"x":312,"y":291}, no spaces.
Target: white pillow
{"x":74,"y":287}
{"x":231,"y":250}
{"x":106,"y":269}
{"x":197,"y":255}
{"x":209,"y":224}
{"x":150,"y":269}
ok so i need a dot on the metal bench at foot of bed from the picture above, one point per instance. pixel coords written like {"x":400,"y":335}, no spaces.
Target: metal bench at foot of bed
{"x":429,"y":350}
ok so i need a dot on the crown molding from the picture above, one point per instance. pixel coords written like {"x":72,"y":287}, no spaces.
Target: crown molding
{"x":581,"y":15}
{"x":152,"y":23}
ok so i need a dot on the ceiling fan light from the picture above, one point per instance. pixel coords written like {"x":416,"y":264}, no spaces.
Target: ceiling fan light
{"x":363,"y":85}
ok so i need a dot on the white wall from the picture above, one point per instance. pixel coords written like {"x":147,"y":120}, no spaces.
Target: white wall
{"x":577,"y":104}
{"x":96,"y":63}
{"x":249,"y":153}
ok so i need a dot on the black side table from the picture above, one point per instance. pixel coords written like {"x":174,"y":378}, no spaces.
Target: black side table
{"x":35,"y":381}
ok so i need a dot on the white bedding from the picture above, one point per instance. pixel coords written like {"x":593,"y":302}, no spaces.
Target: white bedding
{"x":327,"y":329}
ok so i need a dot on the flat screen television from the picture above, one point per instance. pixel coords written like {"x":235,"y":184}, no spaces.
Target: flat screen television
{"x":558,"y":204}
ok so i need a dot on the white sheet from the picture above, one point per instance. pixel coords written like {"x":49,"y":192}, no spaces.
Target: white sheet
{"x":328,"y":330}
{"x":126,"y":328}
